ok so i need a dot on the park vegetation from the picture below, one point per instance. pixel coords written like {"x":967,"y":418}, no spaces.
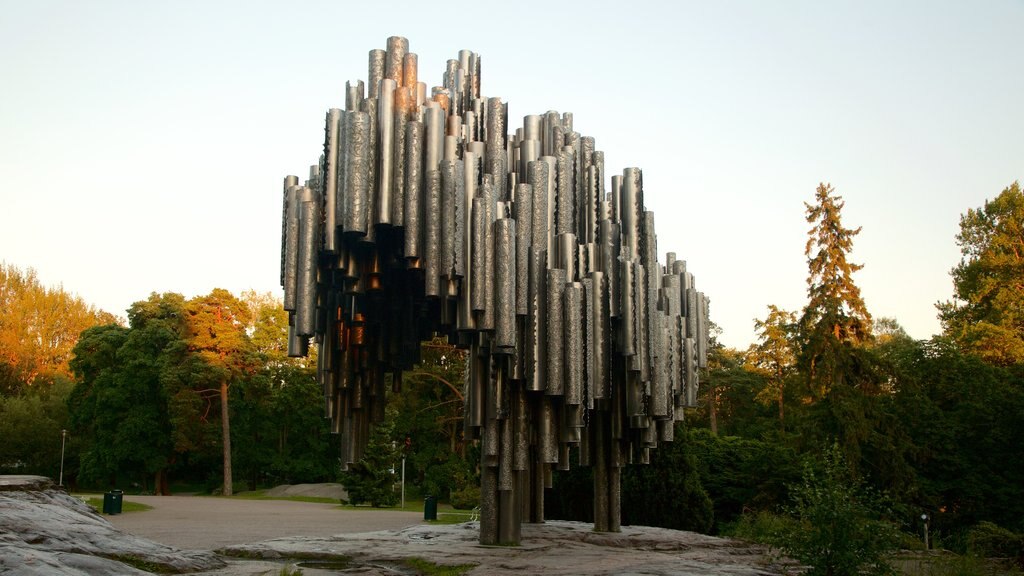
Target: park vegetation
{"x":828,"y":438}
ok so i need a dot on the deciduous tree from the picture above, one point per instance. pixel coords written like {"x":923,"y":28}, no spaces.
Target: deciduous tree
{"x":986,"y":315}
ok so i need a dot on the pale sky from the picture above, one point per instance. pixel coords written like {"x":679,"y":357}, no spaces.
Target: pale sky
{"x":142,"y":144}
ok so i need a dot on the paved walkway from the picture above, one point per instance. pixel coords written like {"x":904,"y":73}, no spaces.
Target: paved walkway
{"x":208,"y":523}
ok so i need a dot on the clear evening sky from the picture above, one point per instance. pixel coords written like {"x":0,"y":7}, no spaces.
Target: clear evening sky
{"x":142,"y":144}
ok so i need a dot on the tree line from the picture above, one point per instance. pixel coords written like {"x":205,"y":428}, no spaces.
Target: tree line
{"x":200,"y":391}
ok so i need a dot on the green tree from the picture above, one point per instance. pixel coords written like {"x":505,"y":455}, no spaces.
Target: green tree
{"x":217,"y":334}
{"x":835,"y":320}
{"x":119,"y":405}
{"x":773,"y":357}
{"x":841,"y":529}
{"x":372,"y":479}
{"x":38,"y":328}
{"x":986,"y":315}
{"x":30,"y":425}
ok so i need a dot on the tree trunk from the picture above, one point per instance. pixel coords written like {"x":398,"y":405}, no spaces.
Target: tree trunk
{"x":782,"y":414}
{"x":225,"y":424}
{"x":713,"y":409}
{"x":161,"y":487}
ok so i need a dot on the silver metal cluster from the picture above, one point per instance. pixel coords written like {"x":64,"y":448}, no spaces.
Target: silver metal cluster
{"x":425,"y":216}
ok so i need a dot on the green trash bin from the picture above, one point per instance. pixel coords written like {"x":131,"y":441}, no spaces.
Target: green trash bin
{"x":430,"y":508}
{"x":112,"y":501}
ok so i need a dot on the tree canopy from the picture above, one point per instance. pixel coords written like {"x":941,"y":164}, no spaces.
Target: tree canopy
{"x":986,"y":315}
{"x":38,"y":328}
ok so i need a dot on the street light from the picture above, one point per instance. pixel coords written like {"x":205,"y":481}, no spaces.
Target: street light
{"x":924,"y":517}
{"x":63,"y":439}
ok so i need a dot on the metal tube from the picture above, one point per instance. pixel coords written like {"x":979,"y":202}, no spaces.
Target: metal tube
{"x":403,"y":109}
{"x":413,"y":197}
{"x":505,"y":278}
{"x":524,"y":228}
{"x":573,"y":336}
{"x":410,"y":72}
{"x":433,"y":225}
{"x":376,"y":71}
{"x":565,"y":210}
{"x":536,"y":323}
{"x":386,"y":142}
{"x":357,"y":177}
{"x":555,"y":287}
{"x":305,"y":301}
{"x":331,"y":178}
{"x":397,"y":49}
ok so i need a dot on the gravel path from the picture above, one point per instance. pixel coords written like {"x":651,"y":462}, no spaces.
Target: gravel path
{"x":209,"y":523}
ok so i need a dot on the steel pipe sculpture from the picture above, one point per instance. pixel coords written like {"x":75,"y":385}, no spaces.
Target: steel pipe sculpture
{"x":425,"y":216}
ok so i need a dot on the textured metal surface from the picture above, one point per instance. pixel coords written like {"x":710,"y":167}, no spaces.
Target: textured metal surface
{"x":414,"y":202}
{"x":425,"y":215}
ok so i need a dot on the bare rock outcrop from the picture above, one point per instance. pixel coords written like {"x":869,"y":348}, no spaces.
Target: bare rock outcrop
{"x":555,"y":547}
{"x":45,"y":531}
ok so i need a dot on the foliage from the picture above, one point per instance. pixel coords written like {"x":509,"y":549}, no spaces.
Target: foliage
{"x":774,"y":357}
{"x":428,"y":416}
{"x":835,"y":320}
{"x":986,"y":315}
{"x":466,"y":499}
{"x":119,"y":406}
{"x":991,"y":541}
{"x":38,"y":328}
{"x":742,"y":474}
{"x":668,"y":492}
{"x":840,"y":529}
{"x":30,"y":425}
{"x":372,"y":479}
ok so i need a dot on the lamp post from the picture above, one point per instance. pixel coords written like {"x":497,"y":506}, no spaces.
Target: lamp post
{"x":63,"y":440}
{"x":924,"y":517}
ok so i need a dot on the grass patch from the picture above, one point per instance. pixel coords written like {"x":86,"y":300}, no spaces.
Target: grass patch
{"x":428,"y":568}
{"x":126,"y":505}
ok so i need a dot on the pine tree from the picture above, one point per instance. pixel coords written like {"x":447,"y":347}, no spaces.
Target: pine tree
{"x":835,"y":321}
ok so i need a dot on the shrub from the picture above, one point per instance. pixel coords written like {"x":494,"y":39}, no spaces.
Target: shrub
{"x":991,"y":541}
{"x":466,"y":499}
{"x":838,"y":528}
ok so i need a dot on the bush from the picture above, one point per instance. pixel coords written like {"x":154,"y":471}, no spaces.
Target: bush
{"x":466,"y":499}
{"x":991,"y":541}
{"x":838,"y":528}
{"x":762,"y":527}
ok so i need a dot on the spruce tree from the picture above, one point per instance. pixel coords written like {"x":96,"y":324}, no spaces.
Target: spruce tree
{"x":835,"y":321}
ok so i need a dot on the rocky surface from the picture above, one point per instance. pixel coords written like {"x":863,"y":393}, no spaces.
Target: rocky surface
{"x":555,"y":547}
{"x":326,"y":490}
{"x":45,"y":531}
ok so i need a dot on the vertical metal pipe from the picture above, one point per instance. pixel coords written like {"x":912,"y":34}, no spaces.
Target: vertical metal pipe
{"x":524,"y":228}
{"x":505,"y":278}
{"x":414,"y":197}
{"x":433,"y":219}
{"x":357,"y":177}
{"x":573,"y":336}
{"x":331,"y":178}
{"x":397,"y":49}
{"x":291,"y":255}
{"x":386,"y":156}
{"x":565,"y":210}
{"x":555,"y":288}
{"x":305,"y":301}
{"x":403,"y":109}
{"x":536,"y":323}
{"x":410,"y":73}
{"x":376,"y":71}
